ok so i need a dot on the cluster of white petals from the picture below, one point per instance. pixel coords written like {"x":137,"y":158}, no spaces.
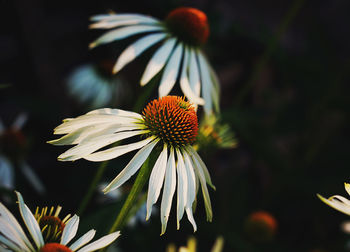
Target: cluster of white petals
{"x":14,"y":238}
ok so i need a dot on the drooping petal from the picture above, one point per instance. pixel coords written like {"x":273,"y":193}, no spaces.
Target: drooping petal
{"x":135,"y":49}
{"x":158,"y":60}
{"x":87,"y":147}
{"x":30,"y":222}
{"x":184,"y":82}
{"x":116,"y":112}
{"x":124,"y":32}
{"x":156,"y":180}
{"x":193,"y":152}
{"x":6,"y":173}
{"x":86,"y":132}
{"x":199,"y":172}
{"x":11,"y":220}
{"x":171,"y":71}
{"x":132,"y":167}
{"x":100,"y":243}
{"x":83,"y":240}
{"x":168,"y":190}
{"x":124,"y":16}
{"x":69,"y":125}
{"x":11,"y":234}
{"x":117,"y":151}
{"x":182,"y":187}
{"x":109,"y":23}
{"x":33,"y":179}
{"x":11,"y":245}
{"x":191,"y":195}
{"x":70,"y":230}
{"x":207,"y":83}
{"x":194,"y":73}
{"x":336,"y":204}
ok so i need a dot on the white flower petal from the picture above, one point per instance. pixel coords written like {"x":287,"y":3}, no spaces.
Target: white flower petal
{"x":116,"y":112}
{"x":11,"y":245}
{"x":156,"y":180}
{"x":137,"y":48}
{"x":12,"y":235}
{"x":6,"y":173}
{"x":216,"y":88}
{"x":132,"y":167}
{"x":109,"y":23}
{"x":191,"y":195}
{"x":194,"y":153}
{"x":7,"y":216}
{"x":184,"y":82}
{"x":171,"y":72}
{"x":340,"y":206}
{"x":84,"y":133}
{"x":194,"y":73}
{"x":207,"y":83}
{"x":101,"y":243}
{"x":182,"y":187}
{"x":32,"y":177}
{"x":124,"y":32}
{"x":124,"y":16}
{"x":158,"y":60}
{"x":87,"y":147}
{"x":83,"y":240}
{"x":69,"y":125}
{"x":117,"y":151}
{"x":199,"y":172}
{"x":30,"y":221}
{"x":20,"y":121}
{"x":168,"y":190}
{"x":70,"y":230}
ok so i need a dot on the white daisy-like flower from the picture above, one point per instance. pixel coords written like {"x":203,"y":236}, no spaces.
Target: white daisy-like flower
{"x":168,"y":124}
{"x":12,"y":147}
{"x":179,"y":36}
{"x":90,"y":86}
{"x":44,"y":229}
{"x":338,"y":202}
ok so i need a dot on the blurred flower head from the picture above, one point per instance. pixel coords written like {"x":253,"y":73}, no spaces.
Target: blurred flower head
{"x":261,"y":226}
{"x":94,"y":85}
{"x":47,"y":231}
{"x":179,"y":38}
{"x":13,"y":145}
{"x":212,"y":134}
{"x":167,"y":125}
{"x":339,"y":202}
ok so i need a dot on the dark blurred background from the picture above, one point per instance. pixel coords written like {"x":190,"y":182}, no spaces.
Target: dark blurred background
{"x":284,"y":73}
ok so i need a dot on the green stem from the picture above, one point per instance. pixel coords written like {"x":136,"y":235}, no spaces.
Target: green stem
{"x":100,"y":171}
{"x":292,"y":12}
{"x":140,"y":181}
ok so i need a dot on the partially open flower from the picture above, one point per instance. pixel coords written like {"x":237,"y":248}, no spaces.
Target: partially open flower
{"x":339,"y":202}
{"x":14,"y":238}
{"x":179,"y":36}
{"x":168,"y":124}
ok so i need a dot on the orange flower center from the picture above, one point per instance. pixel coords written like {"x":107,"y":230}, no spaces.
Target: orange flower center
{"x":54,"y":247}
{"x":172,"y":119}
{"x":189,"y":24}
{"x":52,"y":227}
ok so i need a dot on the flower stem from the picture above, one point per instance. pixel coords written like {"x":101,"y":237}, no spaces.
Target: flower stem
{"x":100,"y":171}
{"x":271,"y":46}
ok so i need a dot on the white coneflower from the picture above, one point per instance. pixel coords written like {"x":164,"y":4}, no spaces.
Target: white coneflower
{"x":47,"y":230}
{"x":169,"y":123}
{"x":181,"y":34}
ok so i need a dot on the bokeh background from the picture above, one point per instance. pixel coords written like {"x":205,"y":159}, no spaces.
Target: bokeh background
{"x":284,"y":73}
